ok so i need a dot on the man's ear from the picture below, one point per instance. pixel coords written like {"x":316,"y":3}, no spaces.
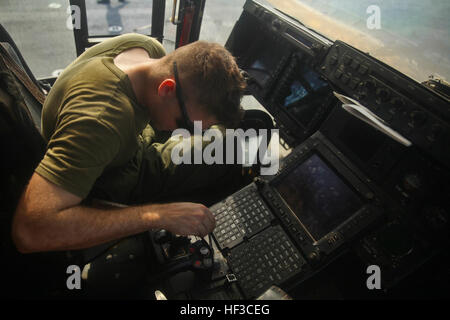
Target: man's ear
{"x":166,"y":87}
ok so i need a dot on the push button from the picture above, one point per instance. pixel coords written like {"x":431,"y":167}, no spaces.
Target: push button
{"x":363,"y":69}
{"x":355,"y":64}
{"x":347,"y":59}
{"x":333,"y":60}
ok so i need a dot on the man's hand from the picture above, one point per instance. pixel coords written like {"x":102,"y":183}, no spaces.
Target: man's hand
{"x":186,"y":218}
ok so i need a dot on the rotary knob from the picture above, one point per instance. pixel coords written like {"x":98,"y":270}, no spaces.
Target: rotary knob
{"x":162,"y":236}
{"x":314,"y":256}
{"x":370,"y":85}
{"x":259,"y":182}
{"x":204,"y":251}
{"x":382,"y":95}
{"x":276,"y":24}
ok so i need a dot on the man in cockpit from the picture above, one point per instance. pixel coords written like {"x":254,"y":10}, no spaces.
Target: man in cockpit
{"x":103,"y":120}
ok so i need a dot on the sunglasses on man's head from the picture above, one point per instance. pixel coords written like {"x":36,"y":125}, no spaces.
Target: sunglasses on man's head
{"x":187,"y":123}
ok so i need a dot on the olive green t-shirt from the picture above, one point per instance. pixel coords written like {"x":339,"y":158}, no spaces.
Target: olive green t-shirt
{"x":91,"y":119}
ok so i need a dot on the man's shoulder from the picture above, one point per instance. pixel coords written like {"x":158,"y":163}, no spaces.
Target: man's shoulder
{"x":131,"y":40}
{"x":113,"y":46}
{"x":91,"y":89}
{"x":95,"y":80}
{"x":89,"y":71}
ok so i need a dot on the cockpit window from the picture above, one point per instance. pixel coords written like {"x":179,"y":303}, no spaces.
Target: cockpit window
{"x":39,"y":29}
{"x":412,"y":36}
{"x":43,"y":29}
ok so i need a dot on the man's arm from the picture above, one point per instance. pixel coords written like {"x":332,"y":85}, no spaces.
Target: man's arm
{"x":48,"y":218}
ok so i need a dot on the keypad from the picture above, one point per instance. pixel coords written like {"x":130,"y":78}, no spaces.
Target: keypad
{"x":241,"y":215}
{"x":269,"y":258}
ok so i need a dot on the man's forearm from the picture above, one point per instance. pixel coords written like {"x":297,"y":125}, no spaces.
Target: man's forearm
{"x":49,"y":218}
{"x":82,"y":227}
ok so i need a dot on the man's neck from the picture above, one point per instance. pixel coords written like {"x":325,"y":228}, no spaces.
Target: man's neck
{"x":131,"y":57}
{"x":135,"y":63}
